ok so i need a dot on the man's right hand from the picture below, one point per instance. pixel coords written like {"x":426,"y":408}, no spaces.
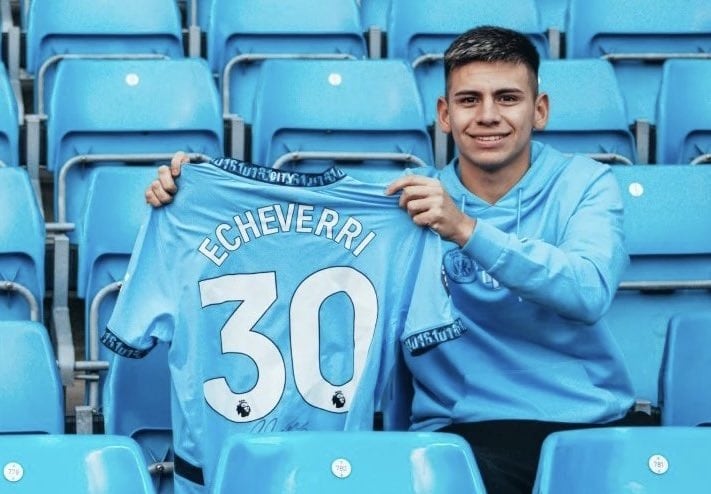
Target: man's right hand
{"x":162,"y":190}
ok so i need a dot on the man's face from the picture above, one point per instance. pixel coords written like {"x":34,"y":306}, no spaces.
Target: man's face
{"x":491,"y":110}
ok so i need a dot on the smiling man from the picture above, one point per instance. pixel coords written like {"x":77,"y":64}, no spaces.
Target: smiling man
{"x":534,"y":252}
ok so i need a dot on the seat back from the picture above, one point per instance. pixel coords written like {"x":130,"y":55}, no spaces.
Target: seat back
{"x":341,"y":107}
{"x":637,"y":36}
{"x":587,"y":111}
{"x":113,"y":212}
{"x":88,"y":27}
{"x":31,"y":395}
{"x":22,"y":247}
{"x":73,"y":463}
{"x":134,"y":395}
{"x":668,"y":236}
{"x":240,"y":35}
{"x":684,"y":112}
{"x":653,"y":460}
{"x":420,"y":32}
{"x":347,"y":462}
{"x":684,"y":398}
{"x":9,"y":123}
{"x":126,"y":107}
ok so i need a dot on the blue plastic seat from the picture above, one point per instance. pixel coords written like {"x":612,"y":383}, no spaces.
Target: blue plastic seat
{"x":347,"y":462}
{"x":587,"y":111}
{"x":684,"y":396}
{"x":90,"y":28}
{"x":374,"y":13}
{"x":134,"y":395}
{"x":31,"y":395}
{"x":136,"y":403}
{"x":125,"y":108}
{"x":9,"y":123}
{"x":22,"y":248}
{"x":420,"y":32}
{"x":668,"y":236}
{"x":637,"y":36}
{"x":347,"y":109}
{"x":240,"y":35}
{"x":73,"y":463}
{"x":684,"y":112}
{"x":653,"y":460}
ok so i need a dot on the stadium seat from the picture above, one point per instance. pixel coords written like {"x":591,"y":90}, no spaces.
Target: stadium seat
{"x":113,"y":212}
{"x":88,"y":28}
{"x":652,"y":460}
{"x":419,"y":32}
{"x":31,"y":395}
{"x":121,"y":111}
{"x":347,"y":462}
{"x":9,"y":123}
{"x":637,"y":37}
{"x":135,"y":394}
{"x":684,"y":396}
{"x":136,"y":403}
{"x":684,"y":113}
{"x":587,"y":112}
{"x":78,"y":463}
{"x":668,"y":237}
{"x":365,"y":113}
{"x":22,"y":248}
{"x":240,"y":35}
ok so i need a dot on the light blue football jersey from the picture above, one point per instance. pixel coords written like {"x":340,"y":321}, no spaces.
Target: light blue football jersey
{"x":284,"y":297}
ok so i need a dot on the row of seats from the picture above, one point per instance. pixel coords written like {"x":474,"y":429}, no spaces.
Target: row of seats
{"x":163,"y":105}
{"x":654,"y":460}
{"x":237,"y":34}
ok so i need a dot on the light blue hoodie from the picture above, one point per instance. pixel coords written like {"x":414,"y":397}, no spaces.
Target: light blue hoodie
{"x":531,"y":285}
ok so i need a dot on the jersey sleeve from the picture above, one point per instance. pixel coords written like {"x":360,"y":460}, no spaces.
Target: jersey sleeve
{"x":430,"y":319}
{"x":146,"y":304}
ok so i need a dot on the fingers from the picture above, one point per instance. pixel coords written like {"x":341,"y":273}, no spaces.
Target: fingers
{"x":161,"y":190}
{"x":409,"y":181}
{"x":177,"y":162}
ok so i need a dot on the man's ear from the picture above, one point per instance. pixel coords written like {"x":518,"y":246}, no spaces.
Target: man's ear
{"x":443,"y":114}
{"x":540,"y":115}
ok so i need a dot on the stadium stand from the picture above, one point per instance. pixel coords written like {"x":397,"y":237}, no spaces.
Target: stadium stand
{"x":362,"y":112}
{"x":668,"y":236}
{"x":553,"y":13}
{"x":347,"y":462}
{"x":22,"y":248}
{"x":684,"y":398}
{"x":653,"y":460}
{"x":419,"y":32}
{"x":31,"y":395}
{"x":135,"y":401}
{"x":637,"y":37}
{"x":587,"y":111}
{"x":240,"y":36}
{"x":684,"y":113}
{"x":9,"y":122}
{"x":73,"y":463}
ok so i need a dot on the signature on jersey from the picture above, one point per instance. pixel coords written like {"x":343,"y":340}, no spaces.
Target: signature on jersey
{"x":272,"y":425}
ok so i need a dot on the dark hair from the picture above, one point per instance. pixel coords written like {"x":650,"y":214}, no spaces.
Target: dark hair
{"x":491,"y":44}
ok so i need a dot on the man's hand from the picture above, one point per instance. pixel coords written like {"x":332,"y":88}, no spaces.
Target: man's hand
{"x":428,"y":204}
{"x":161,"y":191}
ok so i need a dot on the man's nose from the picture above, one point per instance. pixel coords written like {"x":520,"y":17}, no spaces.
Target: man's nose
{"x":488,"y":111}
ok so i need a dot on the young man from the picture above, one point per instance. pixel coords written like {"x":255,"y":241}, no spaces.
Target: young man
{"x":534,"y":252}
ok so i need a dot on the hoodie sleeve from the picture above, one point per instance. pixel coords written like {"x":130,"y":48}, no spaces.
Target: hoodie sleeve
{"x":578,"y":276}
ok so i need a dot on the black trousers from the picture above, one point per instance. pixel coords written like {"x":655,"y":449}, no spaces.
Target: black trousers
{"x":507,"y":451}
